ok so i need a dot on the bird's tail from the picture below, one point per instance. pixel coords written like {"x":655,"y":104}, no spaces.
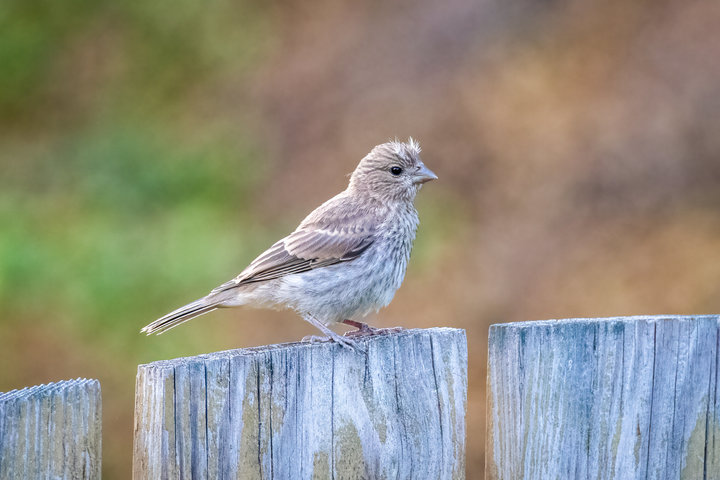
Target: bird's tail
{"x":181,"y":315}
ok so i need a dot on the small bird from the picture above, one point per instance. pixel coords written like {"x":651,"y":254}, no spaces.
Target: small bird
{"x":345,"y":260}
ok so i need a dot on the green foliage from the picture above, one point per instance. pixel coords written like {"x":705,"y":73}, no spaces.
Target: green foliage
{"x":118,"y":201}
{"x":125,"y":222}
{"x":31,"y":33}
{"x":143,"y":56}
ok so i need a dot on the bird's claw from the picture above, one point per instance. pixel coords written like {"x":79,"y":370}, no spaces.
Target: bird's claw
{"x":365,"y":330}
{"x":315,"y":339}
{"x":343,"y":342}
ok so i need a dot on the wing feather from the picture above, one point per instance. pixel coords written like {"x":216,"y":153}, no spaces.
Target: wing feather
{"x":333,"y":233}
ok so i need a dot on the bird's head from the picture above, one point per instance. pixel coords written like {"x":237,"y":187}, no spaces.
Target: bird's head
{"x":391,"y":171}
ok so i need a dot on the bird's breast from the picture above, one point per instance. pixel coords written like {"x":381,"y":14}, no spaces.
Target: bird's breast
{"x":355,"y":288}
{"x":391,"y":253}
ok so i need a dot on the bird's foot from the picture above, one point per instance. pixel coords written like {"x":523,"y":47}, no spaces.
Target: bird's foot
{"x":315,"y":339}
{"x":346,"y":342}
{"x":365,"y":330}
{"x":331,"y":336}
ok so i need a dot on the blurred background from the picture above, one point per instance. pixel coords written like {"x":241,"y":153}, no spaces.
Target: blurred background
{"x":149,"y":150}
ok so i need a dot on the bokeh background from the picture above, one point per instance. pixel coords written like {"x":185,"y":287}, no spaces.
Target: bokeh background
{"x":150,"y":149}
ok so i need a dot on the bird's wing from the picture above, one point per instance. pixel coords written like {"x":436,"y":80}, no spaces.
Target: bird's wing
{"x":335,"y":232}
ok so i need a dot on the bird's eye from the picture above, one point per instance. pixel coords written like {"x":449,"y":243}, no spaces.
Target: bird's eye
{"x":395,"y":170}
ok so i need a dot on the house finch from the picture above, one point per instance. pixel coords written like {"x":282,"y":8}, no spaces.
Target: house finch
{"x":345,"y":260}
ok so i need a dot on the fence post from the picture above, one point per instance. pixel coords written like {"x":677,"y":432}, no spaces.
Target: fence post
{"x":615,"y":398}
{"x":51,"y":431}
{"x":306,"y":411}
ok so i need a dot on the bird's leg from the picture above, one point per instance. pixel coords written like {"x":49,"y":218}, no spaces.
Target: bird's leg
{"x":364,"y":329}
{"x":345,"y":342}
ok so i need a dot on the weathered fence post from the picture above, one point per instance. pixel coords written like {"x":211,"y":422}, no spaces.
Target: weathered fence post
{"x":301,"y":411}
{"x":616,"y":398}
{"x":51,"y":431}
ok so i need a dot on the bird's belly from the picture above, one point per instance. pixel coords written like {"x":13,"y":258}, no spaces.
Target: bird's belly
{"x":346,"y":290}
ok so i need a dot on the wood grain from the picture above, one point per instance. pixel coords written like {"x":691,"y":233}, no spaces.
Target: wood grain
{"x":51,"y":431}
{"x":616,"y":398}
{"x":305,"y":411}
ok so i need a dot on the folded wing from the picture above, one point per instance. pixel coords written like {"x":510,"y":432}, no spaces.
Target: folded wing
{"x":334,"y":233}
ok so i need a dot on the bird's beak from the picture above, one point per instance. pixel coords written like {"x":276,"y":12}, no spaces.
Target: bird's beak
{"x":423,"y":175}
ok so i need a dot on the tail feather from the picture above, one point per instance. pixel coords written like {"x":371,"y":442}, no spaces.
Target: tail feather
{"x":181,"y":315}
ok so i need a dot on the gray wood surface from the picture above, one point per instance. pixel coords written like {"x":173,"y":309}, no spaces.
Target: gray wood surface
{"x":51,"y":431}
{"x":301,"y":411}
{"x":616,"y":398}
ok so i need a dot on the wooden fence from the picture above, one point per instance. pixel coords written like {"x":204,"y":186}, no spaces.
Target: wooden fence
{"x":51,"y":431}
{"x":302,"y":411}
{"x":617,"y":398}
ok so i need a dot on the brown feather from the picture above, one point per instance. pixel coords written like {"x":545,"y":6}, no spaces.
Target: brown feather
{"x":335,"y":232}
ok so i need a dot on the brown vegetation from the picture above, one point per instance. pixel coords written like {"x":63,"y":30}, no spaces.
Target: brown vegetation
{"x":149,"y":152}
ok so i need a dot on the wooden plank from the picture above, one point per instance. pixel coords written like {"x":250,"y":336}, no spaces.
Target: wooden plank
{"x":615,"y":398}
{"x":51,"y":431}
{"x":307,"y":411}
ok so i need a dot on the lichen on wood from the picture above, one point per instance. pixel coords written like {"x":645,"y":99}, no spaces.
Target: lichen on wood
{"x":302,"y":411}
{"x":51,"y":431}
{"x":615,"y":398}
